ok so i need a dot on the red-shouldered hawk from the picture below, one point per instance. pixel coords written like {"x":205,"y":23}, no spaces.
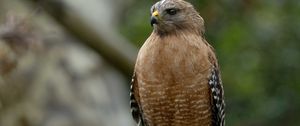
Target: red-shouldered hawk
{"x":176,"y":80}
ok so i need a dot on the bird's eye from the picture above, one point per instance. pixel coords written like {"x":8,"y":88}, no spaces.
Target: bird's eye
{"x":171,"y":11}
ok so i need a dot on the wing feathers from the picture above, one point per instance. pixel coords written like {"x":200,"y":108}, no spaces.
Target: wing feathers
{"x":135,"y":109}
{"x":217,"y":96}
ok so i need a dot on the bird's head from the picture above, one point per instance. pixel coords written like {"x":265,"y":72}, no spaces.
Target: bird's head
{"x":169,"y":16}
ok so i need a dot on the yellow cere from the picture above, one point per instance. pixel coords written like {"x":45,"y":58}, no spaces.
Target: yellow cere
{"x":155,"y":13}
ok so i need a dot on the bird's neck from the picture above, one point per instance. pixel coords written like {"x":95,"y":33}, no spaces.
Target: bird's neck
{"x":179,"y":32}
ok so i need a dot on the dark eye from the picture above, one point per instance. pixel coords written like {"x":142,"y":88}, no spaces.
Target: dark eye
{"x":171,"y":11}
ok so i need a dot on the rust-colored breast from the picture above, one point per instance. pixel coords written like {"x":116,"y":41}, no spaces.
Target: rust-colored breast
{"x":172,"y":82}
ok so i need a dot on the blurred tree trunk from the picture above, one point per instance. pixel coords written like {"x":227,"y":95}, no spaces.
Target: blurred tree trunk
{"x":93,"y":22}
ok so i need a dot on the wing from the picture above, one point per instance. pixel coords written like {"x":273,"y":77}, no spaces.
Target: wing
{"x":134,"y":105}
{"x":217,"y":92}
{"x":217,"y":97}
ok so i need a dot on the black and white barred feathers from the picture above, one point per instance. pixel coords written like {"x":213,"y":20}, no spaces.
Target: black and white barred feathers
{"x":135,"y":110}
{"x":217,"y":94}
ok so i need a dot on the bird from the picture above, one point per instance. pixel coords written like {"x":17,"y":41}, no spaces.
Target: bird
{"x":176,"y":79}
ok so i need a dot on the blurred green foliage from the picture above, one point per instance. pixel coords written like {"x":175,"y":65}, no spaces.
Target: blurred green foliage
{"x":258,"y":46}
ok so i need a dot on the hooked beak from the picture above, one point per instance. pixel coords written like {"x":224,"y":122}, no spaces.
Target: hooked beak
{"x":154,"y":18}
{"x":153,"y":21}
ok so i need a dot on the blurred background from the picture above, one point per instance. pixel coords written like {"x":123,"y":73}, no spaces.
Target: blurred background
{"x":69,"y":62}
